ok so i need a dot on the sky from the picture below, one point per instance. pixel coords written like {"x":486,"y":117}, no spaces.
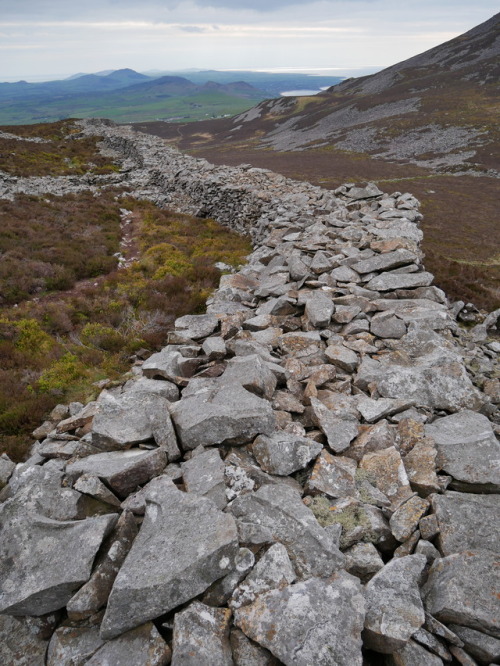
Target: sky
{"x":56,"y":38}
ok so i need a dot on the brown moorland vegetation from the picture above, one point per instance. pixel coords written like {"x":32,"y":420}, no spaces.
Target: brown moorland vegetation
{"x":69,"y":317}
{"x":61,"y":152}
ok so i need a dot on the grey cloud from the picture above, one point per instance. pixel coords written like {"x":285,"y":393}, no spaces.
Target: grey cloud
{"x":191,"y":28}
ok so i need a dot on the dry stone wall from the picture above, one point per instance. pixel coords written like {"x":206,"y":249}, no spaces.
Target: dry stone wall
{"x":307,"y":474}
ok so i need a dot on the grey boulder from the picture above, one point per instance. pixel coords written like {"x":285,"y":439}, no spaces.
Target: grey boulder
{"x":184,"y":545}
{"x":282,"y":453}
{"x":313,"y":622}
{"x":43,"y":561}
{"x":463,"y":588}
{"x":142,"y":645}
{"x":276,"y":513}
{"x":394,"y":610}
{"x":221,"y":415}
{"x":201,"y":636}
{"x":467,"y":450}
{"x":204,"y":475}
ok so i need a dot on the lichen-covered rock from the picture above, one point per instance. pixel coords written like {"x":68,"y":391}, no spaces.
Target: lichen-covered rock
{"x":248,"y":653}
{"x":339,"y":432}
{"x":204,"y":475}
{"x":334,"y":476}
{"x":94,"y":594}
{"x":196,"y":326}
{"x":413,"y":654}
{"x":224,"y":415}
{"x":142,"y":645}
{"x":386,"y":471}
{"x":201,"y":636}
{"x":276,"y":513}
{"x":394,"y":610}
{"x":313,"y":622}
{"x":467,"y":450}
{"x":73,"y":645}
{"x":282,"y":453}
{"x":404,"y":521}
{"x":122,"y":470}
{"x":22,"y":642}
{"x":33,"y":581}
{"x":273,"y":570}
{"x":184,"y":545}
{"x":463,"y":588}
{"x":467,"y":521}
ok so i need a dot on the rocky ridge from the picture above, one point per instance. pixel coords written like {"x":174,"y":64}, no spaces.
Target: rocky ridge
{"x":306,"y":474}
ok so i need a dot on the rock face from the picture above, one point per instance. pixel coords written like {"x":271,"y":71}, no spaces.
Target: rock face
{"x":185,"y":544}
{"x":314,"y":622}
{"x":327,"y":423}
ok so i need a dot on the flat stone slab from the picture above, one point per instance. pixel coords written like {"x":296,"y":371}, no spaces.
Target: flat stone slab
{"x":184,"y":545}
{"x":391,"y":281}
{"x":467,"y":450}
{"x":201,"y":636}
{"x":221,"y":415}
{"x":276,"y":513}
{"x":283,"y":453}
{"x":384,"y":262}
{"x":394,"y":610}
{"x":196,"y":326}
{"x":73,"y":645}
{"x":464,"y":589}
{"x":123,"y":471}
{"x":467,"y":521}
{"x":333,"y":475}
{"x":33,"y":581}
{"x":313,"y":622}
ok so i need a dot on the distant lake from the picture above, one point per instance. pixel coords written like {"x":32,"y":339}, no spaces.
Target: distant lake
{"x":299,"y":93}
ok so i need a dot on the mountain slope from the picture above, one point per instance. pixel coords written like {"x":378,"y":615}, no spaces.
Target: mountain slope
{"x":407,"y":113}
{"x":428,"y":125}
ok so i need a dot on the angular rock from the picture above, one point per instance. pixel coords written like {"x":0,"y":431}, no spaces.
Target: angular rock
{"x":282,"y":453}
{"x":425,"y":370}
{"x":227,"y":415}
{"x":339,"y":432}
{"x":386,"y":325}
{"x":394,"y":610}
{"x":123,"y":471}
{"x":371,"y":438}
{"x":273,"y":571}
{"x":420,"y":466}
{"x":161,"y":387}
{"x":363,"y":560}
{"x":413,"y":654}
{"x":334,"y":476}
{"x":391,"y":281}
{"x":319,"y":309}
{"x":218,"y":593}
{"x":386,"y":471}
{"x":124,"y":420}
{"x":404,"y":521}
{"x":429,"y":526}
{"x":467,"y":450}
{"x":6,"y":469}
{"x":21,"y":642}
{"x":32,"y":580}
{"x":467,"y":521}
{"x":472,"y":602}
{"x":170,"y":365}
{"x":73,"y":645}
{"x":252,"y":374}
{"x":204,"y":475}
{"x":342,"y":357}
{"x":142,"y":645}
{"x":91,"y":485}
{"x":201,"y":636}
{"x":214,"y":348}
{"x":79,"y":420}
{"x":482,"y":647}
{"x":248,"y":653}
{"x":196,"y":326}
{"x":276,"y":513}
{"x":313,"y":622}
{"x":94,"y":594}
{"x":184,"y":545}
{"x":432,"y":643}
{"x":374,"y":410}
{"x":384,"y":262}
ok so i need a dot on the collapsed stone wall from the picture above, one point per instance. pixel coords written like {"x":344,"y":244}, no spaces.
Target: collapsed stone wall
{"x":307,"y":474}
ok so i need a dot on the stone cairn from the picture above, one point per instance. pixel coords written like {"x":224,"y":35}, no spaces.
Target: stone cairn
{"x":307,"y":474}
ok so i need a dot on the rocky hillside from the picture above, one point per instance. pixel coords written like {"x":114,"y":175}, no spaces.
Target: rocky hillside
{"x":306,"y":474}
{"x":430,"y":122}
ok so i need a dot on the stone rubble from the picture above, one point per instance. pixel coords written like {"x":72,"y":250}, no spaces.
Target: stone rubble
{"x":334,"y":488}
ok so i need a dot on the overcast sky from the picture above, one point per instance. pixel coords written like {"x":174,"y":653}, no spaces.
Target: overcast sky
{"x":62,"y":37}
